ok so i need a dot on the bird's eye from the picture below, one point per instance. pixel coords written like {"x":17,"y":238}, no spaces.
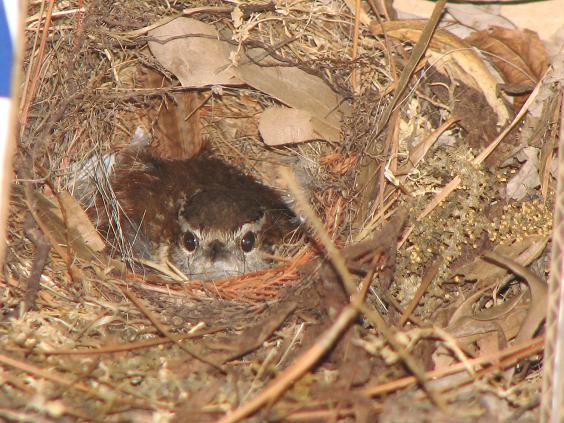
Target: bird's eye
{"x":248,"y":241}
{"x":190,"y":241}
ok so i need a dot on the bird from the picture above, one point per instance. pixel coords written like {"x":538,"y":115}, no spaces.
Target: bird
{"x":201,"y":216}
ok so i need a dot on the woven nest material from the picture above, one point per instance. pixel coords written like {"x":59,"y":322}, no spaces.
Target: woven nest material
{"x":407,"y":131}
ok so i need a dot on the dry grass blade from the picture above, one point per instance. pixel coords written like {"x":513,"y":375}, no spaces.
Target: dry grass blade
{"x":111,"y":349}
{"x":39,"y":261}
{"x":355,"y":77}
{"x":53,"y":229}
{"x":508,"y":356}
{"x":31,"y":84}
{"x":416,"y":55}
{"x":425,"y":282}
{"x":392,"y":107}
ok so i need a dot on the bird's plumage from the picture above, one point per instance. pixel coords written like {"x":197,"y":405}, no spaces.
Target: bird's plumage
{"x":163,"y":205}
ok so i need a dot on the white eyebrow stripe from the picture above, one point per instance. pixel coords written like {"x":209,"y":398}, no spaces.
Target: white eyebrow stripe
{"x":251,"y":226}
{"x":211,"y":233}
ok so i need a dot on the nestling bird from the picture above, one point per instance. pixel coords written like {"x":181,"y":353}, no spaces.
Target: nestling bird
{"x":201,"y":215}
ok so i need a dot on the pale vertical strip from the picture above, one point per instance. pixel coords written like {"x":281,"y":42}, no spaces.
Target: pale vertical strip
{"x":8,"y":117}
{"x":12,"y":8}
{"x":552,"y":405}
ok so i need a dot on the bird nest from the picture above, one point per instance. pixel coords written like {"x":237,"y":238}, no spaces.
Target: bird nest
{"x":395,"y":148}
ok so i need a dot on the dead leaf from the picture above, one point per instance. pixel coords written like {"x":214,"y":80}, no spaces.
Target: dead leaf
{"x":519,"y":55}
{"x":418,"y":152}
{"x":489,"y":344}
{"x":478,"y":332}
{"x":281,"y":125}
{"x":528,"y":177}
{"x":524,"y":252}
{"x":77,"y":235}
{"x":517,"y":317}
{"x":295,"y":88}
{"x":190,"y":49}
{"x":539,"y":295}
{"x":451,"y":56}
{"x":78,"y":220}
{"x":505,"y":319}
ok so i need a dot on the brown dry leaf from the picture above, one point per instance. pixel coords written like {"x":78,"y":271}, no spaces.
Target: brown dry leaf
{"x":539,"y":295}
{"x":517,"y":317}
{"x":504,"y":318}
{"x":79,"y":221}
{"x":281,"y":125}
{"x":524,"y":252}
{"x":528,"y":178}
{"x":190,"y":49}
{"x":200,"y":61}
{"x":53,"y":226}
{"x":476,"y":17}
{"x":74,"y":231}
{"x":519,"y":55}
{"x":489,"y":344}
{"x":450,"y":56}
{"x":297,"y":89}
{"x":482,"y":331}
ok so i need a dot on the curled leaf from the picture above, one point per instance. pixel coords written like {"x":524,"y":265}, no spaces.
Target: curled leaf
{"x":281,"y":125}
{"x":190,"y":49}
{"x":519,"y":55}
